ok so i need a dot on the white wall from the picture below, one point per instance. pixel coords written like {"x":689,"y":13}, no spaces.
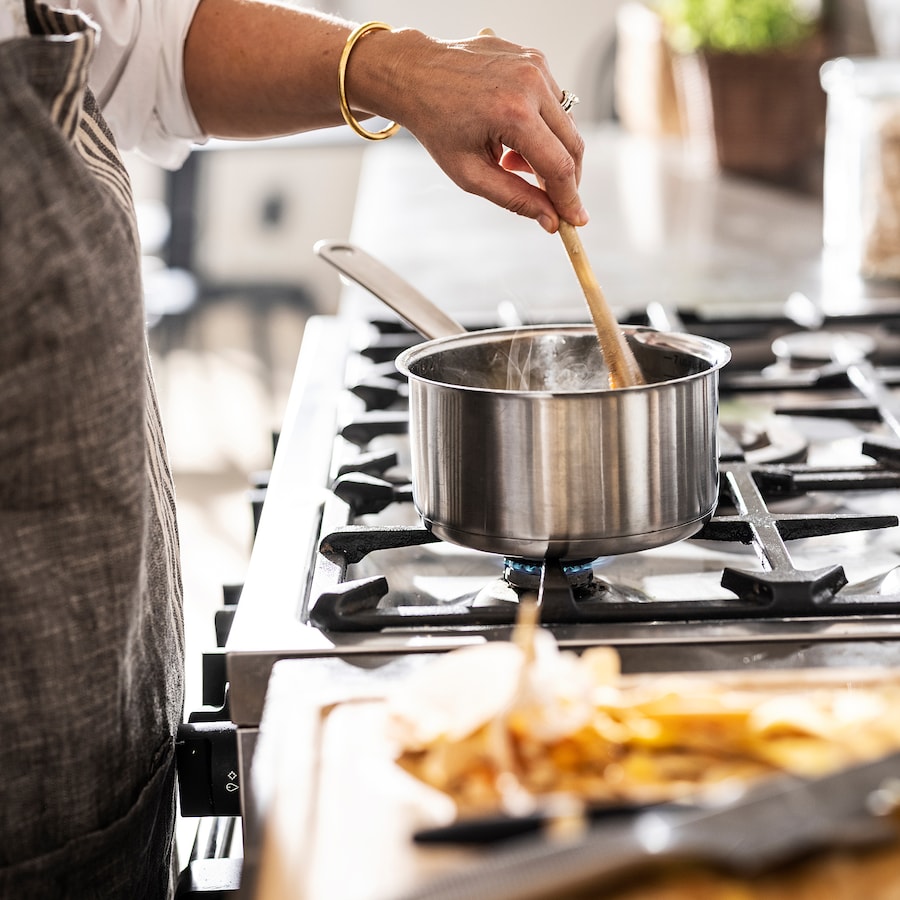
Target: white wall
{"x":575,"y":35}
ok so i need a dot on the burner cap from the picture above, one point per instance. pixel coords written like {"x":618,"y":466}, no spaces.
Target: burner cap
{"x":769,"y":442}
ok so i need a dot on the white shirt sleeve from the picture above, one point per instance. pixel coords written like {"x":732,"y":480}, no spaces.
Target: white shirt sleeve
{"x":138,"y":75}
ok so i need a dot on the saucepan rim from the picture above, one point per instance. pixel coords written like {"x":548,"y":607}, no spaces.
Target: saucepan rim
{"x":713,"y":352}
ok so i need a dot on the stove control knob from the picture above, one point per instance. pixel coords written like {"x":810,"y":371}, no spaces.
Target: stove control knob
{"x":208,"y":775}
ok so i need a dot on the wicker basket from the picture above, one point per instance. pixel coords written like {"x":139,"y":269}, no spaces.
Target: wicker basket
{"x":760,"y":114}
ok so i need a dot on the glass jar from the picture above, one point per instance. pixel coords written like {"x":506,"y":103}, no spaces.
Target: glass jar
{"x":861,"y":187}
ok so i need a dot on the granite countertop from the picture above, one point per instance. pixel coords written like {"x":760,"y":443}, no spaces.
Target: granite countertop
{"x":665,"y":226}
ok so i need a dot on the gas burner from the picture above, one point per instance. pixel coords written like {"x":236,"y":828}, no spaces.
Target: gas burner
{"x":568,"y":592}
{"x":526,"y":574}
{"x":771,"y":442}
{"x":810,"y":360}
{"x":819,"y":361}
{"x":803,"y":349}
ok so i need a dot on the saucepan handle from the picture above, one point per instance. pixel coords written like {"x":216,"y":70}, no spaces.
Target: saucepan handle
{"x":412,"y":306}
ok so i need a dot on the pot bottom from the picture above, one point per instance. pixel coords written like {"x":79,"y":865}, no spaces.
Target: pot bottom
{"x":568,"y":548}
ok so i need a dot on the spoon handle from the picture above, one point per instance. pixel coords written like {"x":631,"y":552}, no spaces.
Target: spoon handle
{"x":623,"y":368}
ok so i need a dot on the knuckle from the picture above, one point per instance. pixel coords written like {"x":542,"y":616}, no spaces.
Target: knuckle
{"x":519,"y":205}
{"x":536,"y":57}
{"x":577,"y":146}
{"x":565,"y":170}
{"x":528,"y":77}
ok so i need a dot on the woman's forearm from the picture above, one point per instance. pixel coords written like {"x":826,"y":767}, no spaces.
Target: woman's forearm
{"x":257,"y":69}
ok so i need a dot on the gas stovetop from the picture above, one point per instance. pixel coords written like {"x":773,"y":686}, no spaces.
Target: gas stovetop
{"x":803,"y":546}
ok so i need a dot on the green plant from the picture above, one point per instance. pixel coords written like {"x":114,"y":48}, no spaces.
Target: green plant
{"x":738,"y":26}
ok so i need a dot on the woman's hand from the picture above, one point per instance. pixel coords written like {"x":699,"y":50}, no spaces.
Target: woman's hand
{"x":485,"y":109}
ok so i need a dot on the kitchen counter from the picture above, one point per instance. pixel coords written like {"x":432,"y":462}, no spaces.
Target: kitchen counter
{"x":664,"y":226}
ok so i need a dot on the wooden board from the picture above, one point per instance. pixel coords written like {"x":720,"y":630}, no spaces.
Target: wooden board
{"x":339,"y":825}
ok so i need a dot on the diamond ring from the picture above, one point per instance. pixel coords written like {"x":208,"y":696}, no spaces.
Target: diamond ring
{"x":568,"y":100}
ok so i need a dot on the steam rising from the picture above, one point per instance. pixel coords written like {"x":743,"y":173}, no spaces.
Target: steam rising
{"x":555,"y":365}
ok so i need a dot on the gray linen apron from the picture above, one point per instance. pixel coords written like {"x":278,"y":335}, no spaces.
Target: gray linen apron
{"x":91,"y":642}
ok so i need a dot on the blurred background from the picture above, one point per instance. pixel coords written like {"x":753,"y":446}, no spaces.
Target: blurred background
{"x":230,"y":274}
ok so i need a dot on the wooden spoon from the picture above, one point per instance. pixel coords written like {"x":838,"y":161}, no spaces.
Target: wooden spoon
{"x":624,"y":370}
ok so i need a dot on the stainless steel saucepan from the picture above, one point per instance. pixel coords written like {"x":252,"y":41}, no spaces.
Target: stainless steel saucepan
{"x":520,"y":448}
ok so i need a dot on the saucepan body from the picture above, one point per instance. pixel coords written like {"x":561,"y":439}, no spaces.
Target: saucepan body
{"x":520,"y":448}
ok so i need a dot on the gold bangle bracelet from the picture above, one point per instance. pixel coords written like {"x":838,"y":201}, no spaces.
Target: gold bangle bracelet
{"x":349,"y":118}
